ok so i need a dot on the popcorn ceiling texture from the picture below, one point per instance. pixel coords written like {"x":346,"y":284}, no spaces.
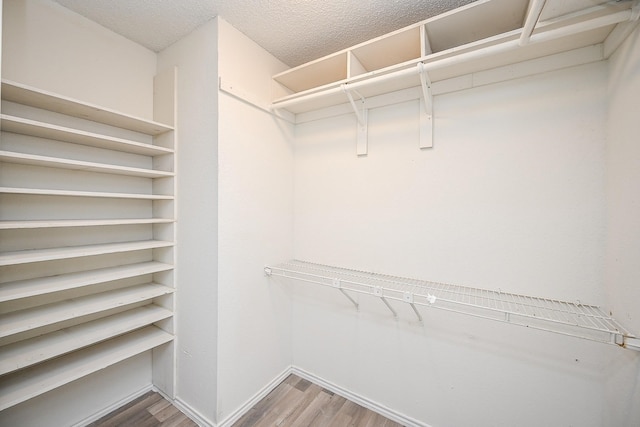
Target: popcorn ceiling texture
{"x":295,"y":31}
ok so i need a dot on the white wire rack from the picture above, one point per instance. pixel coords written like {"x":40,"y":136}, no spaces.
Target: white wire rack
{"x":562,"y":317}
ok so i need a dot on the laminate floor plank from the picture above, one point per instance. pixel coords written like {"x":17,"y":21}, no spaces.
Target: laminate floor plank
{"x":296,"y":402}
{"x":149,"y":410}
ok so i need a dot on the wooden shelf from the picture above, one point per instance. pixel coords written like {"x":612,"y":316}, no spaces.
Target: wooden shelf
{"x":38,"y":129}
{"x":54,"y":162}
{"x":45,"y":285}
{"x":27,"y":95}
{"x":74,"y":193}
{"x":58,"y":324}
{"x":58,"y":223}
{"x":32,"y":351}
{"x":38,"y":255}
{"x":328,"y":70}
{"x":37,"y":317}
{"x":31,"y":382}
{"x":389,"y":50}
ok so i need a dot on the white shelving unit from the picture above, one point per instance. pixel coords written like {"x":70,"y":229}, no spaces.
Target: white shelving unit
{"x":480,"y":36}
{"x":87,"y":235}
{"x":562,"y":317}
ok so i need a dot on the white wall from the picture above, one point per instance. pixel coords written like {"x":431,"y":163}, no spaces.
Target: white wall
{"x":623,"y":227}
{"x":511,"y":197}
{"x":254,"y":223}
{"x":196,"y":58}
{"x":47,"y":46}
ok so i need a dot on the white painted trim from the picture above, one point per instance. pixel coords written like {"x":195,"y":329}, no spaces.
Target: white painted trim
{"x":362,"y":401}
{"x":114,"y":406}
{"x":186,"y":409}
{"x":243,"y":409}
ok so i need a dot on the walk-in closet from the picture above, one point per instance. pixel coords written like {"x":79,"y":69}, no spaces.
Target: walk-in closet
{"x":439,"y":222}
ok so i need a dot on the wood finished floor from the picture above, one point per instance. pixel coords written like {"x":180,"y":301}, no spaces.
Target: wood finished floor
{"x":149,"y":410}
{"x":296,"y":402}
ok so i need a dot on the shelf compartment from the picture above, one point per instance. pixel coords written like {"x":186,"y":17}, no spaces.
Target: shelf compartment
{"x":27,"y":95}
{"x":75,"y":193}
{"x":317,"y":73}
{"x":28,"y":319}
{"x":32,"y":351}
{"x":474,"y":22}
{"x":31,"y":382}
{"x":45,"y":285}
{"x":563,"y":317}
{"x":38,"y":129}
{"x":389,"y":50}
{"x":60,"y":223}
{"x":38,"y":255}
{"x":54,"y":162}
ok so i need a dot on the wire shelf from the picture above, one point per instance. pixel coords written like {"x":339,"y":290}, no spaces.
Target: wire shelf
{"x":568,"y":318}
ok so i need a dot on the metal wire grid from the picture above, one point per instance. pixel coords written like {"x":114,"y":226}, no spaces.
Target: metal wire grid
{"x":567,"y":318}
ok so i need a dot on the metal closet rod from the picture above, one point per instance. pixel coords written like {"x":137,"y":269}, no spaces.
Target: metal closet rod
{"x":591,"y":24}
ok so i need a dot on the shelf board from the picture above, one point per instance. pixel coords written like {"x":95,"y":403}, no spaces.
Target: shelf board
{"x":54,"y":162}
{"x":36,"y":317}
{"x":74,"y":193}
{"x":11,"y":291}
{"x":563,"y":317}
{"x":35,"y":350}
{"x":60,"y":133}
{"x":58,"y":223}
{"x":31,"y":382}
{"x":27,"y":95}
{"x":330,"y":69}
{"x":37,"y":255}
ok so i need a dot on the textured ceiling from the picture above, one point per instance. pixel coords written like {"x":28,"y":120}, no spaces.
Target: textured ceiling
{"x":295,"y":31}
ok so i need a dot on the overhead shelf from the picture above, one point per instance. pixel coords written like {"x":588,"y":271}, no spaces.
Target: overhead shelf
{"x":562,"y":317}
{"x":28,"y":95}
{"x":480,"y":36}
{"x":41,"y":378}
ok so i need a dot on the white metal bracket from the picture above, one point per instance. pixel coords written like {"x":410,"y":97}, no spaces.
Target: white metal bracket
{"x":426,"y":109}
{"x":377,"y":291}
{"x":408,"y":298}
{"x":632,"y":343}
{"x":338,"y":285}
{"x":362,"y":116}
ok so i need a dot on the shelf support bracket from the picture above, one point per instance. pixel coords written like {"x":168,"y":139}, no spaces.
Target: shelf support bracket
{"x":533,"y":15}
{"x":408,"y":298}
{"x":362,"y":116}
{"x":338,"y":285}
{"x":377,"y":291}
{"x":426,"y":109}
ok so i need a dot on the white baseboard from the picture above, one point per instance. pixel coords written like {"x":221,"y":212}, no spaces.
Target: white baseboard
{"x":202,"y":421}
{"x":238,"y":413}
{"x":113,"y":407}
{"x":195,"y":416}
{"x":362,"y":401}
